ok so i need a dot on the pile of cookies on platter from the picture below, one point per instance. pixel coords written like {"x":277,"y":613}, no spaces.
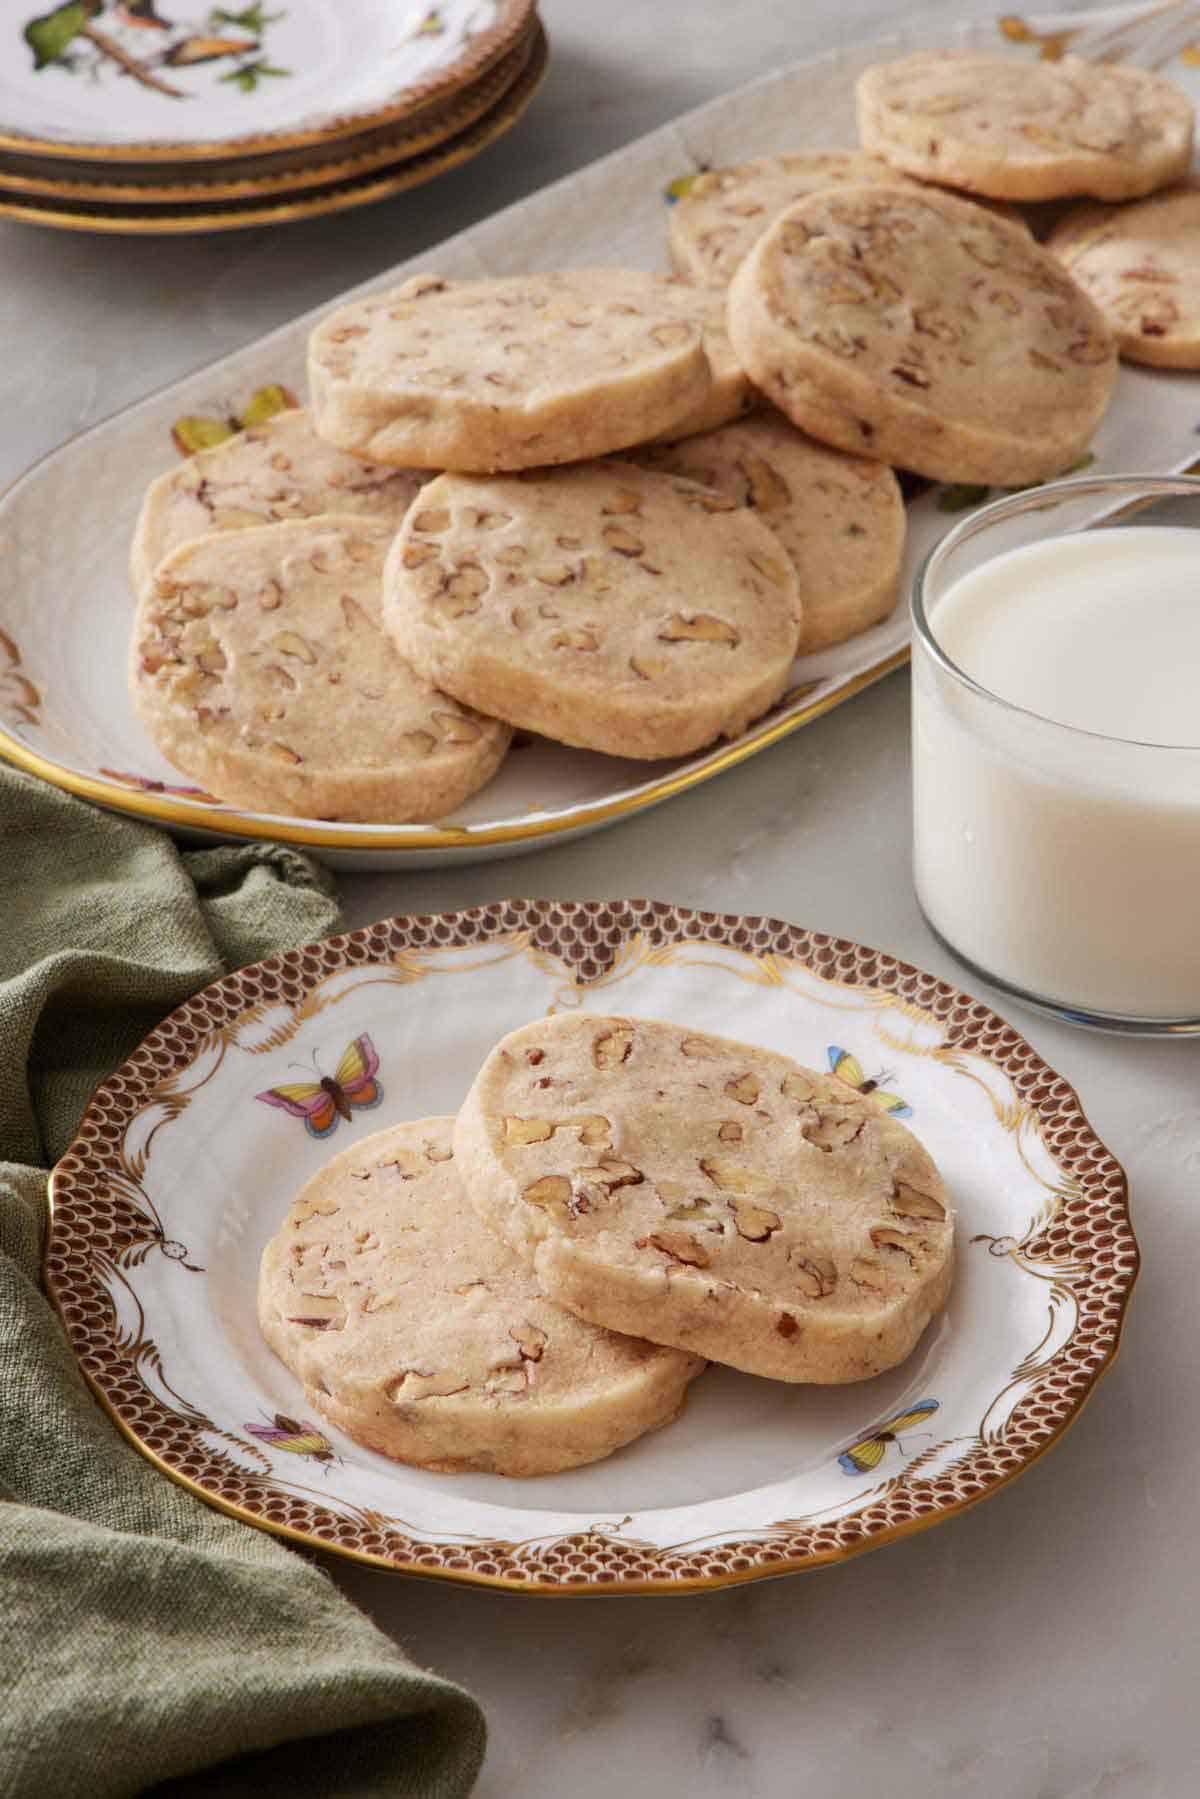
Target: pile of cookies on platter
{"x":533,"y":1284}
{"x":611,"y":507}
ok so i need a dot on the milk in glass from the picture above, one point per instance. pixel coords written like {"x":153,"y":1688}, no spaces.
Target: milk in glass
{"x":1057,"y":812}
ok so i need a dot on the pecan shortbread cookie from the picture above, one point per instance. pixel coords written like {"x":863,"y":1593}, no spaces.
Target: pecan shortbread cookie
{"x":603,"y":605}
{"x":725,"y":211}
{"x":920,"y":330}
{"x":840,"y":518}
{"x":261,"y":668}
{"x":708,"y":1194}
{"x":1026,"y":131}
{"x":275,"y":471}
{"x":517,"y":372}
{"x":1141,"y":265}
{"x":732,"y":393}
{"x":420,"y":1334}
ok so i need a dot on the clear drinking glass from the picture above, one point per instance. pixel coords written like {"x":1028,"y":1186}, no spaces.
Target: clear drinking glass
{"x":1061,"y":865}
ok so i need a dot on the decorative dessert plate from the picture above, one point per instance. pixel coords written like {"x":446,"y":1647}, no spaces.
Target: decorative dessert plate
{"x":281,"y":172}
{"x":180,"y":1174}
{"x":281,"y":201}
{"x":119,"y":78}
{"x":65,"y":611}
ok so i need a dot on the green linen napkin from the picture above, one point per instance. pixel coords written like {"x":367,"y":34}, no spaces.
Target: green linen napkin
{"x":144,"y":1637}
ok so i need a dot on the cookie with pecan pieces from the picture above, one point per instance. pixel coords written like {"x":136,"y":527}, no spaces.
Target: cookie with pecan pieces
{"x":275,"y":471}
{"x":840,"y":518}
{"x":602,"y":605}
{"x":708,"y":1194}
{"x":521,"y":371}
{"x":1026,"y":131}
{"x":261,"y":668}
{"x":420,"y":1334}
{"x":920,"y":330}
{"x":724,"y":212}
{"x":1141,"y":265}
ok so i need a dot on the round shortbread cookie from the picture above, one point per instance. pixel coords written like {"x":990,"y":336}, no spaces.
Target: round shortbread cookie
{"x":261,"y":668}
{"x":518,"y":372}
{"x":840,"y":518}
{"x":604,"y":606}
{"x":277,"y":470}
{"x":1141,"y":265}
{"x":708,"y":1194}
{"x":1026,"y":131}
{"x":918,"y":329}
{"x":725,"y":211}
{"x":732,"y":393}
{"x":420,"y":1334}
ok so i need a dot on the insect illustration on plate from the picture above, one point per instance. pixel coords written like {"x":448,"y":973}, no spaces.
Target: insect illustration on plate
{"x":870,"y":1450}
{"x":848,"y":1068}
{"x":432,"y":25}
{"x":297,"y":1436}
{"x":682,"y":184}
{"x":322,"y":1102}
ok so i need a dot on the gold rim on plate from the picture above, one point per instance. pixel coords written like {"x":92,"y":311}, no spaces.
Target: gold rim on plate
{"x":342,"y":160}
{"x":152,"y":221}
{"x":515,"y":18}
{"x":103,"y":1227}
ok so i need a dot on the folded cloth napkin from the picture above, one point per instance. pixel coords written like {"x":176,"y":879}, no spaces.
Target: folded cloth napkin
{"x":144,"y":1637}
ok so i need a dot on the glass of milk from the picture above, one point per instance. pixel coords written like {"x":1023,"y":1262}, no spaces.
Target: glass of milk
{"x":1056,"y":748}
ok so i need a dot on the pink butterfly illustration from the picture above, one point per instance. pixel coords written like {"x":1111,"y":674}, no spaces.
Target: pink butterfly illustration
{"x":322,"y":1102}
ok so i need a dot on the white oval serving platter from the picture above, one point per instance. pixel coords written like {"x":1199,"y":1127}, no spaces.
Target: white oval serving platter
{"x":65,"y":607}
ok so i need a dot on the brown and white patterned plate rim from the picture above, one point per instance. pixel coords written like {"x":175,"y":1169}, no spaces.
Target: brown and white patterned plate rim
{"x":90,"y":1231}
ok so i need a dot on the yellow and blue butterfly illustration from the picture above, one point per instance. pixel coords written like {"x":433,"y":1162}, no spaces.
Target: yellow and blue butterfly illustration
{"x":848,"y":1068}
{"x":432,"y":25}
{"x":870,"y":1450}
{"x":675,"y":190}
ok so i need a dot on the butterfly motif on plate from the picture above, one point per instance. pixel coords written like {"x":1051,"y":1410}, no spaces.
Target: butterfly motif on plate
{"x":682,"y":184}
{"x":297,"y":1436}
{"x":322,"y":1102}
{"x":848,"y":1068}
{"x":870,"y":1450}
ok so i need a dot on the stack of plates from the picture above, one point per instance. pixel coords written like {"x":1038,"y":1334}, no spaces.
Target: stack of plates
{"x":125,"y":115}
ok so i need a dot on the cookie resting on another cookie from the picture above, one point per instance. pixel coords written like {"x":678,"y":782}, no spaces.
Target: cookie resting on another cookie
{"x":602,"y":605}
{"x":518,"y":372}
{"x":918,"y":329}
{"x":708,"y":1194}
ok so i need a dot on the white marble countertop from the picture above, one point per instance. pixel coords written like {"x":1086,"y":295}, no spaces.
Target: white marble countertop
{"x":1045,"y":1645}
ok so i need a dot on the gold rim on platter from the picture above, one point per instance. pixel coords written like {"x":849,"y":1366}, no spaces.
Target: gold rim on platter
{"x":1076,"y":1238}
{"x":154,"y":221}
{"x":516,"y":17}
{"x":342,"y":160}
{"x":161,"y":809}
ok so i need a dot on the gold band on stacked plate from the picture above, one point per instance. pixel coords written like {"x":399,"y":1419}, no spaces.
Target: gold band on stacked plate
{"x":267,"y":180}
